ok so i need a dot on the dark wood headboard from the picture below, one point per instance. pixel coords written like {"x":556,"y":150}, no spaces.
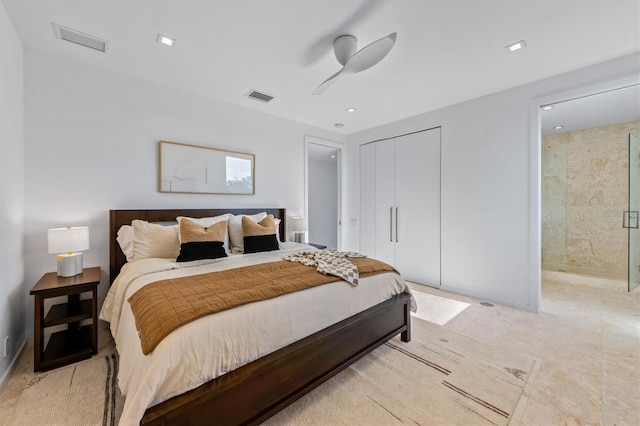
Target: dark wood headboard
{"x":117,"y":218}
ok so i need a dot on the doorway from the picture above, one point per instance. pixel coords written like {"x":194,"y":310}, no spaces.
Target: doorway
{"x":589,"y":186}
{"x":323,"y":183}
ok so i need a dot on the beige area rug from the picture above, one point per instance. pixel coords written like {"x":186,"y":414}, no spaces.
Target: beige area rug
{"x":441,"y":377}
{"x":82,"y":394}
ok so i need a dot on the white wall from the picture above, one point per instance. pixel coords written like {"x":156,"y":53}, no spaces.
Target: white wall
{"x":490,"y":208}
{"x":12,"y":293}
{"x":91,"y":145}
{"x":323,"y":202}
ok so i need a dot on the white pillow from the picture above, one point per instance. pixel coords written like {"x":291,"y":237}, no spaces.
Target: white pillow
{"x":236,"y":238}
{"x":277,"y":228}
{"x":206,"y":222}
{"x":125,"y":239}
{"x":152,"y":240}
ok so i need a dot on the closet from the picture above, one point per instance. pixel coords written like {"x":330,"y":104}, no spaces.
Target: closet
{"x":400,"y":204}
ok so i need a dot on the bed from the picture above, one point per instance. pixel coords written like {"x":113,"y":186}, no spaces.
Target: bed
{"x":254,"y":391}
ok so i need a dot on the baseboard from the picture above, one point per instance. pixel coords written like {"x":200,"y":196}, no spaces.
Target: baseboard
{"x":12,"y":365}
{"x":480,"y":297}
{"x":585,"y":280}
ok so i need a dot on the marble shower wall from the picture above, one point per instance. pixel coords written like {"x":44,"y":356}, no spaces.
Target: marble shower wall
{"x":585,"y":185}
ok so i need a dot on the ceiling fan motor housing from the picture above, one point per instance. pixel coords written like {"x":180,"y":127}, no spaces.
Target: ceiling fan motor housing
{"x":344,"y":47}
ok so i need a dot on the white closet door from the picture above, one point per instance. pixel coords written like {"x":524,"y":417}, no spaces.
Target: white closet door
{"x":385,"y":206}
{"x":417,"y":194}
{"x":368,"y":199}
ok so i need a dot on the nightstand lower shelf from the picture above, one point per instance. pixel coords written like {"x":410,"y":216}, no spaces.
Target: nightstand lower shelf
{"x":67,"y":346}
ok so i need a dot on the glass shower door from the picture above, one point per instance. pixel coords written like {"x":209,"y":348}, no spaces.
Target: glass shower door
{"x":631,"y":216}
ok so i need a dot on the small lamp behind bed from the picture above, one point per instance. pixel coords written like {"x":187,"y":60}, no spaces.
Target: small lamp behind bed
{"x":299,"y":228}
{"x":65,"y":242}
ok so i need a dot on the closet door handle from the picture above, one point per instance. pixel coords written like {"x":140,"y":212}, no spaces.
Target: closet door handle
{"x":396,"y":224}
{"x":630,"y":219}
{"x":391,"y":224}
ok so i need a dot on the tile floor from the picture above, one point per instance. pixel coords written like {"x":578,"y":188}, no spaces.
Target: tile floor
{"x":586,"y":341}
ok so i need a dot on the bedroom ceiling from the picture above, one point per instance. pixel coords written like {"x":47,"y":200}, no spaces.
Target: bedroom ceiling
{"x":446,"y":51}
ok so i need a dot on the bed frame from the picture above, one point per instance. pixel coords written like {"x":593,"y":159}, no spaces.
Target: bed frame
{"x":253,"y":393}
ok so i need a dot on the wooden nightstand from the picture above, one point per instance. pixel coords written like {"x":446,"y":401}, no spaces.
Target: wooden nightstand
{"x":77,"y":342}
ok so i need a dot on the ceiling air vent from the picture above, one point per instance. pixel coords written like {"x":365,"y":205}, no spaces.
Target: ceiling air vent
{"x":262,"y":97}
{"x":77,"y":37}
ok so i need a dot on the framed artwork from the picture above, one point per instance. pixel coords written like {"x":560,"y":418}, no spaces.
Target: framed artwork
{"x":196,"y":169}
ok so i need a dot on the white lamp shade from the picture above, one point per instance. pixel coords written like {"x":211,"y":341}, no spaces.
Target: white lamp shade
{"x":68,"y":240}
{"x":298,"y":224}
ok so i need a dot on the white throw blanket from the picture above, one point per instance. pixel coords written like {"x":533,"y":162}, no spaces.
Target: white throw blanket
{"x":330,"y":262}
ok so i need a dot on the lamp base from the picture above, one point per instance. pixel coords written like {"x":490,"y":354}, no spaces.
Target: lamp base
{"x":69,"y":264}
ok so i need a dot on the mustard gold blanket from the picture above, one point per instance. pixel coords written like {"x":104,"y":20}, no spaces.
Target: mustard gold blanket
{"x":162,"y":306}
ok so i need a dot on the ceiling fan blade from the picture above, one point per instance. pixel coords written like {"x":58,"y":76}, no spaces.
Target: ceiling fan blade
{"x":370,"y":55}
{"x":328,"y":82}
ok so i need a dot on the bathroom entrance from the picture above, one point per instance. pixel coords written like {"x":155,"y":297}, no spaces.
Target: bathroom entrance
{"x":591,"y":189}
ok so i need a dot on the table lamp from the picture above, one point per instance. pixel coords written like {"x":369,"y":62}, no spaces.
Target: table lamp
{"x":299,"y":228}
{"x":65,"y":242}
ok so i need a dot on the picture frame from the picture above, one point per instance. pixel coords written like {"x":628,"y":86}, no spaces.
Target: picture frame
{"x":194,"y":169}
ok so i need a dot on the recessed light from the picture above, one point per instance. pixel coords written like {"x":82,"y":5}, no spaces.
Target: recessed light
{"x":167,"y":41}
{"x":351,"y":109}
{"x":548,"y":107}
{"x":557,"y":127}
{"x":338,"y":125}
{"x":333,"y":156}
{"x":516,"y":46}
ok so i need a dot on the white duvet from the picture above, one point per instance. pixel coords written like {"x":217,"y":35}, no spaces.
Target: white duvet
{"x":216,"y":344}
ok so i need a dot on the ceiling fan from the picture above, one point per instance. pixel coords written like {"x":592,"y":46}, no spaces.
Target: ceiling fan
{"x":353,"y":61}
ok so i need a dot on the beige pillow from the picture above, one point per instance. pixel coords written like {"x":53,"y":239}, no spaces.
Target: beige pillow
{"x":260,"y":236}
{"x":235,"y":230}
{"x":190,"y":231}
{"x":200,"y":243}
{"x":152,"y":240}
{"x":205,"y":222}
